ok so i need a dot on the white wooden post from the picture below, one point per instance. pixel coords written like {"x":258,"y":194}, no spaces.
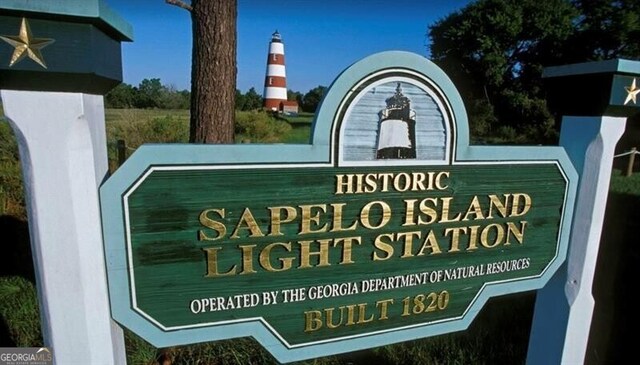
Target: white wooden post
{"x":564,"y":308}
{"x":64,"y":160}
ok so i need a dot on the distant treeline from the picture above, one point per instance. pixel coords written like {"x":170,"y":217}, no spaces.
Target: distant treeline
{"x":152,"y":94}
{"x":147,"y":95}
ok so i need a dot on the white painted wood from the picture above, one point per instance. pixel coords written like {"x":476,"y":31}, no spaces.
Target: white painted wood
{"x":64,"y":159}
{"x":564,"y":308}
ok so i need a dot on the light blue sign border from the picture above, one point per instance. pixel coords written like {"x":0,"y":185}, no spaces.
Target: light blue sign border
{"x":319,"y":152}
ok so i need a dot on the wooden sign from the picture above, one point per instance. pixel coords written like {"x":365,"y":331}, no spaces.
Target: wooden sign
{"x":387,"y":227}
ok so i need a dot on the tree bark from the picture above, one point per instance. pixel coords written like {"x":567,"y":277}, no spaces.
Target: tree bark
{"x":213,"y":71}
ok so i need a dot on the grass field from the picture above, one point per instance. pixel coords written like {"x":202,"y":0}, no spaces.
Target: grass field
{"x":625,"y":185}
{"x":498,"y":335}
{"x":300,"y":128}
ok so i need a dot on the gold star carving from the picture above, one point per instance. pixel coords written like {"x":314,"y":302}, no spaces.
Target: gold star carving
{"x":25,"y":44}
{"x":632,"y":92}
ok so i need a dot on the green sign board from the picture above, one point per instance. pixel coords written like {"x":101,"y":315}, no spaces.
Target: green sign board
{"x":387,"y":227}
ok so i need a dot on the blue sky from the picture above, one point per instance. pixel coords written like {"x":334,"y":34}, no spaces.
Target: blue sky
{"x":321,"y":38}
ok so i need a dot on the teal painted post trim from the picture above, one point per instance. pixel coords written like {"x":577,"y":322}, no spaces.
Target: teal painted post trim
{"x":586,"y":68}
{"x":318,"y":153}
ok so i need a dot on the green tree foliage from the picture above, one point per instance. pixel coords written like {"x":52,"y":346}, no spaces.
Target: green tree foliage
{"x":239,"y":100}
{"x":172,"y":98}
{"x":495,"y":51}
{"x":491,"y":47}
{"x":249,"y":101}
{"x":294,"y":96}
{"x":312,"y":99}
{"x":606,"y":29}
{"x":150,"y":93}
{"x":253,"y":100}
{"x":121,"y":97}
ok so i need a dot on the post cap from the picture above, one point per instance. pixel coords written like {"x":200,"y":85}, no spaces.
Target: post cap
{"x":609,"y":88}
{"x":69,"y":46}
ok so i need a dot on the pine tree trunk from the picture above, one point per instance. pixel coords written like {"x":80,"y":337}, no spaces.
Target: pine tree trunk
{"x":213,"y":71}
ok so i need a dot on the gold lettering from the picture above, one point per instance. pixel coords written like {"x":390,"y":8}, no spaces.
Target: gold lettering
{"x":431,"y":180}
{"x":220,"y":228}
{"x":418,"y":181}
{"x":397,"y":182}
{"x":499,"y":236}
{"x":408,"y":242}
{"x":383,"y":305}
{"x":308,"y":217}
{"x":328,"y":312}
{"x":385,"y":180}
{"x":362,"y":313}
{"x":347,"y":244}
{"x":351,"y":314}
{"x":409,"y":219}
{"x":518,"y":233}
{"x":351,"y":309}
{"x":312,"y":321}
{"x":455,"y":237}
{"x":251,"y":224}
{"x":212,"y":263}
{"x":359,"y":178}
{"x":265,"y":257}
{"x":515,"y":205}
{"x":430,"y":243}
{"x":439,"y":178}
{"x":384,"y":219}
{"x":473,"y":238}
{"x":384,"y":246}
{"x":429,"y":211}
{"x":494,"y":201}
{"x":475,"y":209}
{"x":370,"y":183}
{"x":337,"y":219}
{"x":341,"y":184}
{"x":446,"y":202}
{"x":247,"y":259}
{"x":305,"y":253}
{"x":277,"y":220}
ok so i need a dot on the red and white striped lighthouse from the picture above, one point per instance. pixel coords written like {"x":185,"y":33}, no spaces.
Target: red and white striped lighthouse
{"x":275,"y":83}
